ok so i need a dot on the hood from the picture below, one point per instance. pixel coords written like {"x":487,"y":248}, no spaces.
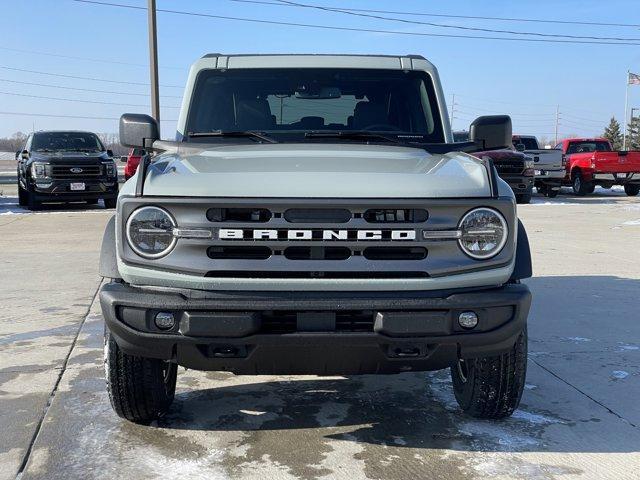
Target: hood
{"x":69,"y":157}
{"x":316,"y":171}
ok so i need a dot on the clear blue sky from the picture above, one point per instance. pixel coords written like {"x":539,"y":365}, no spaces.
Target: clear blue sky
{"x":526,"y":80}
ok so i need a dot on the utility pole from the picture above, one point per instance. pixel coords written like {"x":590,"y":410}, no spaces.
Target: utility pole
{"x":453,"y":104}
{"x":557,"y":121}
{"x":153,"y":60}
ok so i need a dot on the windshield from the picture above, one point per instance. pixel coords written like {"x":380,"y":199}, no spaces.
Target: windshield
{"x":588,"y":147}
{"x":287,"y":103}
{"x":529,"y":143}
{"x":66,"y":141}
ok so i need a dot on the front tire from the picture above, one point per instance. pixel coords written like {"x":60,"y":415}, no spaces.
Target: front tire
{"x":552,"y":193}
{"x":110,"y":203}
{"x":22,"y":196}
{"x":632,"y":189}
{"x":140,"y":389}
{"x":491,"y":387}
{"x":523,"y":198}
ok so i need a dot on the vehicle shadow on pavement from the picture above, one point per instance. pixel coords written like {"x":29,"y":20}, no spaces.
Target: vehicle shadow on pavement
{"x":9,"y":206}
{"x":599,"y":197}
{"x":576,"y":398}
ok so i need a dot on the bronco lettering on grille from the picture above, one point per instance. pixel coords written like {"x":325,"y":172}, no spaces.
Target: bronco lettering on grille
{"x":315,"y":234}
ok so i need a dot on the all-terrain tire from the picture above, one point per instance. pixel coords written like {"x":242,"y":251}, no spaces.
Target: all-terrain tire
{"x":523,"y":198}
{"x":491,"y":387}
{"x":140,"y":389}
{"x":580,"y":186}
{"x":632,"y":189}
{"x":31,"y":202}
{"x":22,"y":196}
{"x":110,"y":203}
{"x":552,"y":193}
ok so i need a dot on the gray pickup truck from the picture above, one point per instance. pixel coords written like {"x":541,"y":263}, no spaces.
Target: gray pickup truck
{"x":549,"y":164}
{"x":314,"y":216}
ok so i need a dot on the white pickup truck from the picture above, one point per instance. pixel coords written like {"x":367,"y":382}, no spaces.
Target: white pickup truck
{"x":549,"y":164}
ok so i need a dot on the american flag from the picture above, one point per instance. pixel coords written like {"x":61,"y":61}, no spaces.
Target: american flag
{"x":634,"y":79}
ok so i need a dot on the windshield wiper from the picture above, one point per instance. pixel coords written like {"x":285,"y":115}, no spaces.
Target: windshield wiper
{"x":355,"y":135}
{"x":220,"y":133}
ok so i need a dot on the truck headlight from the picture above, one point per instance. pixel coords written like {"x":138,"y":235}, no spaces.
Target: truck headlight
{"x":484,"y":232}
{"x":39,"y":169}
{"x":150,"y":232}
{"x":110,"y":169}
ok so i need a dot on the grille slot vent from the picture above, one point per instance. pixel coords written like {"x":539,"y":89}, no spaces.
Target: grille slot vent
{"x":395,"y":215}
{"x":239,"y":253}
{"x":317,"y":253}
{"x":247,"y":215}
{"x":278,"y":322}
{"x":317,"y":215}
{"x":395,"y":253}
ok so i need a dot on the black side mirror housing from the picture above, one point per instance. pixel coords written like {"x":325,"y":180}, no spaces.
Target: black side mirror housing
{"x":138,"y":130}
{"x":110,"y":153}
{"x":520,"y":147}
{"x":491,"y":132}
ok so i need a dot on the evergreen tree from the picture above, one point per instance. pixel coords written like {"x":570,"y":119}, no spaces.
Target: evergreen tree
{"x":633,"y":134}
{"x":613,"y":134}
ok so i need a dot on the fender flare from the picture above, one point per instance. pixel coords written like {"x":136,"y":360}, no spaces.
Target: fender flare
{"x":108,"y":257}
{"x":523,"y":267}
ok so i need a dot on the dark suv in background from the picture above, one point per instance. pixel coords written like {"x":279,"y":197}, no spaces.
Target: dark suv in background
{"x":512,"y":166}
{"x":66,"y":166}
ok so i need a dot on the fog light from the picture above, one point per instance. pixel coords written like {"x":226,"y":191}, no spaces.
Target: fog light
{"x":164,"y":320}
{"x":468,"y":319}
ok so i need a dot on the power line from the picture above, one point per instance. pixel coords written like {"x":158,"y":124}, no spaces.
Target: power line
{"x":81,"y":101}
{"x":472,"y":17}
{"x":25,"y":114}
{"x":19,"y":82}
{"x":355,"y":29}
{"x":87,"y":59}
{"x":458,"y":27}
{"x":93,"y":79}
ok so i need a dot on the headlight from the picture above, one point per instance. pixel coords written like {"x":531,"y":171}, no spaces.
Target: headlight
{"x":110,"y":169}
{"x":38,"y":169}
{"x":150,"y":232}
{"x":484,"y":232}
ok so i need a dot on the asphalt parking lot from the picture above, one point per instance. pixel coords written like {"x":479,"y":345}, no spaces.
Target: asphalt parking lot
{"x":579,"y":417}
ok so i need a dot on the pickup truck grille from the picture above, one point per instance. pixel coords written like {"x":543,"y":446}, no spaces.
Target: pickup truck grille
{"x":509,"y":167}
{"x":75,"y":171}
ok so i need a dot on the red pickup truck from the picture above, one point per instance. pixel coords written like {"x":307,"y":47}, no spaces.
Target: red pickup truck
{"x":592,"y":161}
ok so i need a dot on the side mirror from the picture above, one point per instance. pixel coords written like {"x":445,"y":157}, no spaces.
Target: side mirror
{"x":24,"y":154}
{"x":520,"y":147}
{"x":491,"y":132}
{"x":110,"y":153}
{"x":138,"y":130}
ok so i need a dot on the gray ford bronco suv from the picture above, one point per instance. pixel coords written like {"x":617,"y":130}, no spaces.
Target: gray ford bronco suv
{"x":314,"y":216}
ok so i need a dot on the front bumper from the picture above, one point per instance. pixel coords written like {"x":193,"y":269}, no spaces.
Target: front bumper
{"x":49,"y":189}
{"x":519,"y":183}
{"x":314,"y":332}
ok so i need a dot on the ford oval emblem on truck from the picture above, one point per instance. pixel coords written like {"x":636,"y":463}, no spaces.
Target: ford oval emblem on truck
{"x":76,"y":170}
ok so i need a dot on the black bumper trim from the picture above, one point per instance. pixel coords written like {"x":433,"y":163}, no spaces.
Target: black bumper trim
{"x":319,"y":352}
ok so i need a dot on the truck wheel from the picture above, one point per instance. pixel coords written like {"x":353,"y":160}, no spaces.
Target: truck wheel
{"x":110,"y":203}
{"x":32,"y":203}
{"x":523,"y":198}
{"x":552,"y":193}
{"x":22,"y":196}
{"x":542,"y":189}
{"x":580,"y":187}
{"x":140,"y":389}
{"x":632,"y":189}
{"x":491,"y":387}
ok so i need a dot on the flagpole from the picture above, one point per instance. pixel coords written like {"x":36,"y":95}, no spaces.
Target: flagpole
{"x":626,"y":105}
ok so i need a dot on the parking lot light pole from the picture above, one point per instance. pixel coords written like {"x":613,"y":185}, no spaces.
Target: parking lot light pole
{"x":153,"y":60}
